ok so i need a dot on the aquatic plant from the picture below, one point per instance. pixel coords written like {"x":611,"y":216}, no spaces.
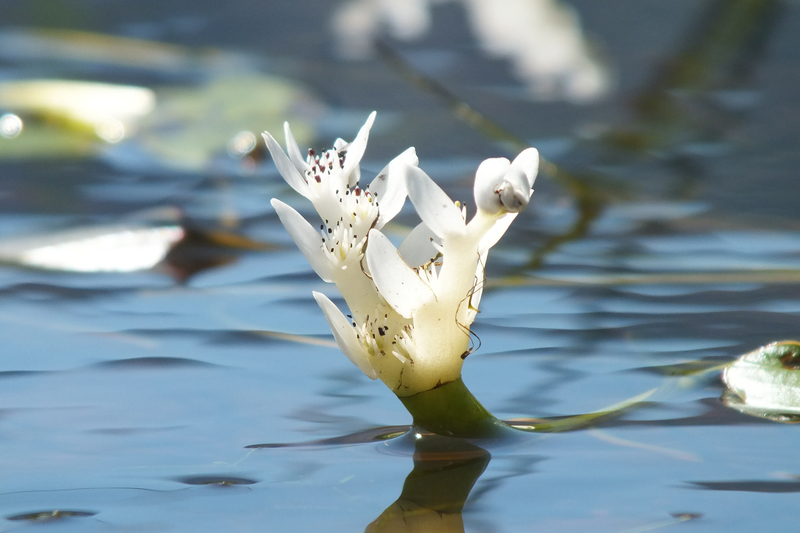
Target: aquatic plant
{"x":411,"y":307}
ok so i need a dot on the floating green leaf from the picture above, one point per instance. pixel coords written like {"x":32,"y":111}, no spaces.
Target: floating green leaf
{"x":766,"y":382}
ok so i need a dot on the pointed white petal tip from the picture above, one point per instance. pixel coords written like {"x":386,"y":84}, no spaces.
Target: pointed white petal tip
{"x":390,"y":186}
{"x":434,"y":207}
{"x":345,"y":335}
{"x":307,"y":239}
{"x":528,"y":162}
{"x":285,"y":166}
{"x":295,"y":155}
{"x":355,"y":151}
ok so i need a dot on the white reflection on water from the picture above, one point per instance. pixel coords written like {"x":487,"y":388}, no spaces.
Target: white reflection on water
{"x":543,"y":40}
{"x":102,"y":249}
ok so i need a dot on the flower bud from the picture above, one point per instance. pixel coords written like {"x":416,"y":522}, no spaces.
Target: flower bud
{"x":505,"y":187}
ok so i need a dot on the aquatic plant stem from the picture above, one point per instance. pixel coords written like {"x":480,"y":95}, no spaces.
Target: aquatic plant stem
{"x":451,"y":410}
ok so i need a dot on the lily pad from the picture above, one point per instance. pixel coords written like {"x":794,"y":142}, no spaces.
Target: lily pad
{"x":103,"y":108}
{"x":766,"y":382}
{"x":191,"y":126}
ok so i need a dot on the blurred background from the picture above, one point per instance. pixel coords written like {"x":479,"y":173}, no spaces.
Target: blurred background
{"x":155,"y":318}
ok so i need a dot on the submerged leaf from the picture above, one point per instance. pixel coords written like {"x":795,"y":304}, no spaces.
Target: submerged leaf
{"x":766,"y":382}
{"x":575,"y":422}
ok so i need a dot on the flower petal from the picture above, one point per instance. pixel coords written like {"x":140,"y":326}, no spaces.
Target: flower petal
{"x":418,"y":247}
{"x":295,"y":155}
{"x":355,"y":151}
{"x":488,"y":177}
{"x":434,"y":207}
{"x":399,"y":285}
{"x":345,"y":335}
{"x":496,"y":231}
{"x":389,"y":186}
{"x":307,"y":239}
{"x":286,"y":167}
{"x":528,"y":162}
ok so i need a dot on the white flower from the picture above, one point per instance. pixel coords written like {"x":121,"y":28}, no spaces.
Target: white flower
{"x":411,"y":308}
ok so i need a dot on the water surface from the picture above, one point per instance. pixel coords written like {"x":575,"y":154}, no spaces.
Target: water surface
{"x":664,"y":232}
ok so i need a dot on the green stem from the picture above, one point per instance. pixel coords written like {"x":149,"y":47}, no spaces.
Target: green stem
{"x":451,"y":410}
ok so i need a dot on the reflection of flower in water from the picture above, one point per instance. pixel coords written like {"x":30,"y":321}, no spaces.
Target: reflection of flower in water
{"x":411,"y":306}
{"x":542,"y":39}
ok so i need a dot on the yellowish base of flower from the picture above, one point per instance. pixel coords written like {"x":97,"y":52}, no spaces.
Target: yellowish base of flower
{"x":451,"y":410}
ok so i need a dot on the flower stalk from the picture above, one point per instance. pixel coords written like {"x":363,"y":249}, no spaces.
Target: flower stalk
{"x":451,"y":410}
{"x":410,"y":307}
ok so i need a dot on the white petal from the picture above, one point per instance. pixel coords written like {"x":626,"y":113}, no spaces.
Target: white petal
{"x":400,"y":286}
{"x":528,"y":162}
{"x":285,"y":166}
{"x":418,"y":247}
{"x":295,"y":155}
{"x":496,"y":231}
{"x":389,"y":186}
{"x":434,"y":207}
{"x":355,"y":151}
{"x":345,"y":335}
{"x":488,"y":177}
{"x":306,"y":238}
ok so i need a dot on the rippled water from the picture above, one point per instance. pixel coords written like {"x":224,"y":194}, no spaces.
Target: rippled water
{"x":662,"y":238}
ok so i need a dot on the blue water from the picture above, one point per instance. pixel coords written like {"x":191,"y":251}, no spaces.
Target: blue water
{"x":128,"y":400}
